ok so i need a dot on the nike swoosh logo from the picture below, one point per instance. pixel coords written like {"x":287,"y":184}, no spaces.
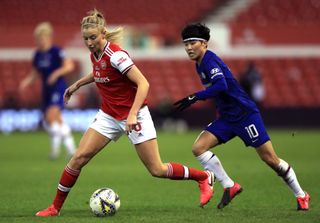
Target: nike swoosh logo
{"x":211,"y":180}
{"x":254,"y":140}
{"x":191,"y":98}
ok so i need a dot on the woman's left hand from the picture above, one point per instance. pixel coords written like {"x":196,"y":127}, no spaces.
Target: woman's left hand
{"x":131,"y":123}
{"x":52,"y":78}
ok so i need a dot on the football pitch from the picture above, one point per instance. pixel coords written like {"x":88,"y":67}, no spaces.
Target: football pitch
{"x":29,"y":180}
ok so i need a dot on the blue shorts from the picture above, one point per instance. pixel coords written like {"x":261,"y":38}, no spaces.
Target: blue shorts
{"x":53,"y":99}
{"x":250,"y":129}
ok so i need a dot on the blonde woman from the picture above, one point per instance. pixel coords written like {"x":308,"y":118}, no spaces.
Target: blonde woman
{"x":123,"y":89}
{"x":49,"y":63}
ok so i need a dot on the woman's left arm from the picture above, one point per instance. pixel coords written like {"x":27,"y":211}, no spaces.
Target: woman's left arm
{"x":135,"y":75}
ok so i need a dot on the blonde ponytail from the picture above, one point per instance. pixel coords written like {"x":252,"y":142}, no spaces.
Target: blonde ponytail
{"x":115,"y":36}
{"x":96,"y":19}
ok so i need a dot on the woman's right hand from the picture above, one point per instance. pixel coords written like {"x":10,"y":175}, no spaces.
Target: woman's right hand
{"x":22,"y":86}
{"x":69,"y":91}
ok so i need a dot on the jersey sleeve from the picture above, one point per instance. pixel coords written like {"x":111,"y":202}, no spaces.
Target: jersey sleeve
{"x":214,"y":71}
{"x":217,"y":84}
{"x":121,"y":61}
{"x":62,"y":54}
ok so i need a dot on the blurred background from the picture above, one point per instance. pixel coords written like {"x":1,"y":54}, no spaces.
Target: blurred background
{"x":272,"y":47}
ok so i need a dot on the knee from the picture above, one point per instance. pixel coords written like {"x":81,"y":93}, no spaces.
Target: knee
{"x":79,"y":160}
{"x":65,"y":130}
{"x":198,"y":149}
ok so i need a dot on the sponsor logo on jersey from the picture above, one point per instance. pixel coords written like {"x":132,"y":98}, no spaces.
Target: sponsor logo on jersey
{"x":97,"y":67}
{"x":214,"y":70}
{"x":44,"y":61}
{"x":121,"y":60}
{"x":100,"y":79}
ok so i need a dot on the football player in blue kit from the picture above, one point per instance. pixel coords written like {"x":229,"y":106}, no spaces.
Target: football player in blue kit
{"x":238,"y":116}
{"x":49,"y":63}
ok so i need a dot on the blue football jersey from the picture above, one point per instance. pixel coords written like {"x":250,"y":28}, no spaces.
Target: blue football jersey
{"x":45,"y":63}
{"x":231,"y":100}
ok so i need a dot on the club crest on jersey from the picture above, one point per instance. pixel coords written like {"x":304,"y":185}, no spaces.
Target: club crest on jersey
{"x":103,"y":65}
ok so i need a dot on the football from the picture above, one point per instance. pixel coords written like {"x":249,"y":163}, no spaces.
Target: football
{"x":104,"y":202}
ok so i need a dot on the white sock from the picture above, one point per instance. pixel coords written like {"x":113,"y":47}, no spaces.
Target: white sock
{"x":68,"y":140}
{"x":289,"y":176}
{"x":211,"y":162}
{"x":54,"y":132}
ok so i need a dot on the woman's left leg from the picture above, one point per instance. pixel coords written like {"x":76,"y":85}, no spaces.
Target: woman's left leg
{"x":58,"y":131}
{"x":284,"y":170}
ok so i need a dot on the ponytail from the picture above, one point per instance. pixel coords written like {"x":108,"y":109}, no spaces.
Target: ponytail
{"x":97,"y":20}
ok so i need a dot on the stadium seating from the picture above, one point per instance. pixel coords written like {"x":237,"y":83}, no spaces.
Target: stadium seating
{"x":278,"y":22}
{"x":12,"y":72}
{"x":11,"y":75}
{"x":162,"y":18}
{"x":289,"y":82}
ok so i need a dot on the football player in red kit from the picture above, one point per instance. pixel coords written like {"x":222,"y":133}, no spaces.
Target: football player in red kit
{"x":123,"y":90}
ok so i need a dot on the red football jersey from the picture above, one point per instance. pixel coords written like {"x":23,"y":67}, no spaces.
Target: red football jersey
{"x":116,"y":90}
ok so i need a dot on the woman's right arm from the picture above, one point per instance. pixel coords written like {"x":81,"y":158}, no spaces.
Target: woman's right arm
{"x":32,"y":76}
{"x":75,"y":86}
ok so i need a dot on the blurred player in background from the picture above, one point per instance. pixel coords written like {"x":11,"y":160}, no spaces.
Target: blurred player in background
{"x":123,"y":89}
{"x":238,"y":116}
{"x":251,"y":82}
{"x":49,"y":63}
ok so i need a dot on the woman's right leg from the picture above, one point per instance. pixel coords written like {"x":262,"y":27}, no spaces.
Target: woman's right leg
{"x":210,"y":161}
{"x":53,"y":120}
{"x":148,"y":152}
{"x":91,"y":143}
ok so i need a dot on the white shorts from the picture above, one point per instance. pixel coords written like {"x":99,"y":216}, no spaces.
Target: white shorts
{"x":113,"y":129}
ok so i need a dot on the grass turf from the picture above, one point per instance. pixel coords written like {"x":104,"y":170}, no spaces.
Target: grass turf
{"x":29,"y":181}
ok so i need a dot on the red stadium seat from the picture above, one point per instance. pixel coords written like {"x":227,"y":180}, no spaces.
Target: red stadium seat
{"x":162,"y":18}
{"x":288,"y":81}
{"x":282,"y":17}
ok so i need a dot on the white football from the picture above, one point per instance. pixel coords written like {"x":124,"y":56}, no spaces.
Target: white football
{"x":104,"y":202}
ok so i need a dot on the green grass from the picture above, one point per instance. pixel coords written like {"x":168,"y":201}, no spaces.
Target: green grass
{"x":29,"y":181}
